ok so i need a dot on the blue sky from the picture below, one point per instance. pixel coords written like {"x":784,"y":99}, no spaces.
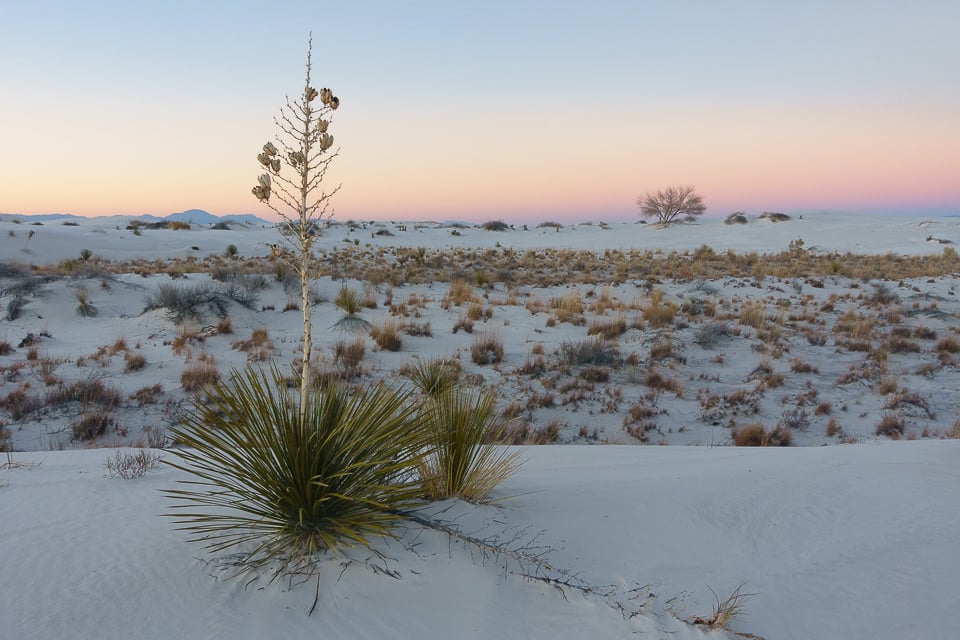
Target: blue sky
{"x":521,"y":110}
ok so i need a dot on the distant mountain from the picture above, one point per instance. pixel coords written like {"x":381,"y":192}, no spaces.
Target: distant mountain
{"x":193,"y":216}
{"x":199,"y":216}
{"x":42,"y":217}
{"x":244,"y":218}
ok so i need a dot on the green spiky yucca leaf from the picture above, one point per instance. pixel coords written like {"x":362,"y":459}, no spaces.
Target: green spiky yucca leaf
{"x":281,"y":490}
{"x":463,"y":460}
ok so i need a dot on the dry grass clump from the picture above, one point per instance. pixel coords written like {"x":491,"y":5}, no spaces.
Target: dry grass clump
{"x":487,"y":348}
{"x":609,"y":330}
{"x":799,"y":366}
{"x":92,"y":424}
{"x":259,"y":347}
{"x":569,"y":308}
{"x":91,"y":391}
{"x":522,"y":432}
{"x":387,"y":335}
{"x":892,"y":426}
{"x":948,"y":345}
{"x":347,"y":356}
{"x":134,"y":361}
{"x":658,"y":312}
{"x":661,"y":349}
{"x":19,"y":403}
{"x":753,"y":313}
{"x":755,"y":435}
{"x":147,"y":395}
{"x":460,"y":293}
{"x":463,"y":323}
{"x":224,"y":326}
{"x":654,"y":379}
{"x":200,"y":374}
{"x":955,"y":430}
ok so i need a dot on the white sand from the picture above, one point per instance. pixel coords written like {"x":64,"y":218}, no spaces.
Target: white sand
{"x":844,"y":542}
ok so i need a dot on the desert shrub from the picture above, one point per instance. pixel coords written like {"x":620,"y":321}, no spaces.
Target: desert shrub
{"x":128,"y":465}
{"x":295,"y":487}
{"x":461,"y":461}
{"x":432,"y":377}
{"x":670,"y":203}
{"x":591,"y":351}
{"x":495,"y":225}
{"x":418,"y":329}
{"x":737,"y":217}
{"x":177,"y":225}
{"x":907,"y":399}
{"x":708,"y":335}
{"x":191,"y":301}
{"x":487,"y":348}
{"x":774,"y":216}
{"x":224,"y":326}
{"x":796,"y":418}
{"x":754,"y":435}
{"x":387,"y":335}
{"x":15,"y":307}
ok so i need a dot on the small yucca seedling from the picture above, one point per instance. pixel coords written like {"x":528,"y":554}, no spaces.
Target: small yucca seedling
{"x":463,"y":460}
{"x":433,"y":377}
{"x":281,"y":484}
{"x":85,"y":308}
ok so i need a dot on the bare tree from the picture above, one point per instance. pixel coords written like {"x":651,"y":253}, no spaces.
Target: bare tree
{"x":293,"y":188}
{"x":666,"y":205}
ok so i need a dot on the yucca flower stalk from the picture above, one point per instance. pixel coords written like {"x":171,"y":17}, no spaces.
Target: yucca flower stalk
{"x":280,"y":489}
{"x":293,"y":187}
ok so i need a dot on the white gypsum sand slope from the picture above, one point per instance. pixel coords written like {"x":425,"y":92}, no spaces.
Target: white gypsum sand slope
{"x":838,"y":542}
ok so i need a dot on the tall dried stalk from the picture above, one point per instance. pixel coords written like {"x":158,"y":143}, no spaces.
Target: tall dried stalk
{"x":293,"y":188}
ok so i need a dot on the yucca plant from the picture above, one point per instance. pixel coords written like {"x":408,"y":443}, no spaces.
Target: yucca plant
{"x":433,"y":377}
{"x":463,"y":459}
{"x":281,"y":490}
{"x":350,"y":302}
